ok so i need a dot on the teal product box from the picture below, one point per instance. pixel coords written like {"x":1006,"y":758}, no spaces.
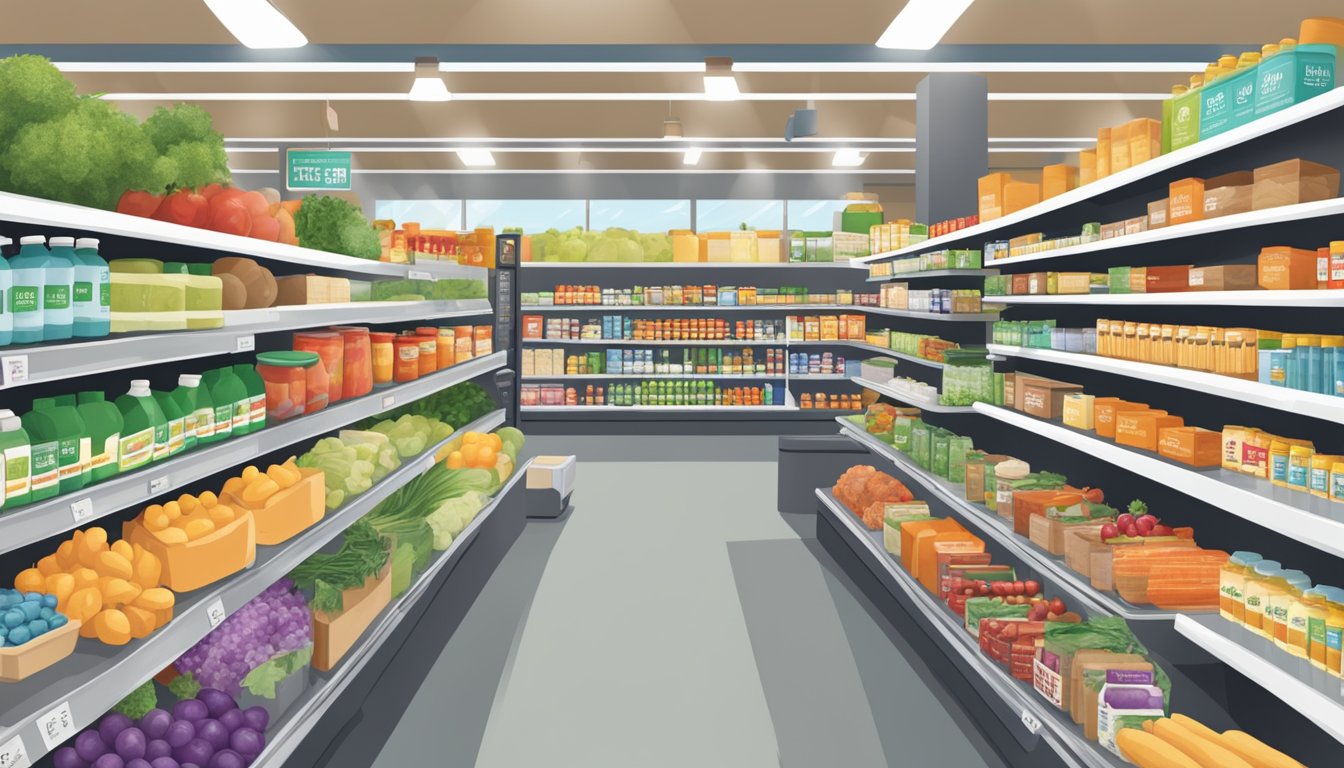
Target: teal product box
{"x":1185,"y":112}
{"x":1294,"y":76}
{"x":1227,"y":102}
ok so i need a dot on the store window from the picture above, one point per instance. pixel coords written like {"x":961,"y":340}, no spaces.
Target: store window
{"x":725,"y":215}
{"x":814,"y":215}
{"x":640,"y":215}
{"x":531,"y":216}
{"x":429,"y":214}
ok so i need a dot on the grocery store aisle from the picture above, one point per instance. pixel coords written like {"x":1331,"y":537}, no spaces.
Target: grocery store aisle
{"x":675,"y":618}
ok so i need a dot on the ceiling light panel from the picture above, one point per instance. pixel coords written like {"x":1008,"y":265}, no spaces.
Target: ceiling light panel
{"x":257,"y":23}
{"x":475,"y":157}
{"x":848,"y":158}
{"x":691,"y":157}
{"x":817,"y":67}
{"x":428,"y":84}
{"x":922,"y":23}
{"x":720,"y":84}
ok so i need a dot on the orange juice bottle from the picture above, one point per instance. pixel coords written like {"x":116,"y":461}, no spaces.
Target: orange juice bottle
{"x":1334,"y":628}
{"x":1314,"y":607}
{"x":1232,"y":585}
{"x":1281,"y":598}
{"x":1257,"y":594}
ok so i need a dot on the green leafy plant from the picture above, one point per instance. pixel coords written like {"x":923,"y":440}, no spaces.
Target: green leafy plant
{"x":331,"y":224}
{"x":362,"y":554}
{"x":139,"y":702}
{"x":263,"y":680}
{"x":186,"y":135}
{"x":184,"y":686}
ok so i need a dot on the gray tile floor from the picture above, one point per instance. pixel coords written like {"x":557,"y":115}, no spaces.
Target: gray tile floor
{"x":674,"y":619}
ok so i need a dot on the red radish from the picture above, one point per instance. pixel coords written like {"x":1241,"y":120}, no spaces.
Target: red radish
{"x":1033,"y":586}
{"x":1150,"y":518}
{"x":1145,"y":525}
{"x":1057,"y":606}
{"x":1109,"y":531}
{"x":1131,"y":531}
{"x":1162,"y":530}
{"x":1124,"y":521}
{"x":229,"y":216}
{"x":135,"y":202}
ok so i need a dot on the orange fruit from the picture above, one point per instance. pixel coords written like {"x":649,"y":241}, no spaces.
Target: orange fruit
{"x":455,"y":460}
{"x":471,"y":438}
{"x":496,"y":442}
{"x":486,"y":457}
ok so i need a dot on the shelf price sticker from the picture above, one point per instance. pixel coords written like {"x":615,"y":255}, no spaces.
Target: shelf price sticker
{"x":1030,"y":720}
{"x":13,"y":370}
{"x":81,"y":510}
{"x":419,"y":274}
{"x":215,"y":612}
{"x":13,"y":755}
{"x":389,"y":401}
{"x":159,"y":484}
{"x":56,"y":726}
{"x":245,"y":343}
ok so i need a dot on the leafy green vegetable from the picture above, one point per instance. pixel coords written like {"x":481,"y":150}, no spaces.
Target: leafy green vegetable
{"x":262,"y":681}
{"x":458,"y":405}
{"x":454,"y":515}
{"x":362,"y":554}
{"x":451,"y":289}
{"x":32,"y":91}
{"x":403,"y":568}
{"x":331,"y":224}
{"x":186,"y":135}
{"x":139,"y":702}
{"x":184,"y":686}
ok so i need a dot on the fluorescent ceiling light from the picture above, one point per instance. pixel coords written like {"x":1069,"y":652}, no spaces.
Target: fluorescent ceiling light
{"x":848,"y":158}
{"x":257,"y":24}
{"x":475,"y":157}
{"x":691,"y":157}
{"x":428,"y":85}
{"x":720,"y":85}
{"x":922,"y":23}
{"x":321,"y":67}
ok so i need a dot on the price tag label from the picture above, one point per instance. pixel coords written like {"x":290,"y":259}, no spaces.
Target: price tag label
{"x":1032,"y":722}
{"x":13,"y":370}
{"x":215,"y":612}
{"x":13,"y":755}
{"x":56,"y":726}
{"x":419,"y":274}
{"x":245,"y":343}
{"x":389,"y":401}
{"x":81,"y":510}
{"x":158,"y":484}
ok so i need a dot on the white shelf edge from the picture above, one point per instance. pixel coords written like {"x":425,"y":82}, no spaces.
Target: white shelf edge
{"x":1321,"y":298}
{"x":658,"y":408}
{"x":645,"y":342}
{"x":932,"y":273}
{"x":684,"y":264}
{"x":667,"y":376}
{"x":1324,"y":407}
{"x":547,"y":308}
{"x":893,"y":394}
{"x":1314,"y":530}
{"x":1257,"y":128}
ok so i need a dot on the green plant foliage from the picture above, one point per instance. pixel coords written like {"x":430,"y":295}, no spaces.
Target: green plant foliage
{"x":331,"y":224}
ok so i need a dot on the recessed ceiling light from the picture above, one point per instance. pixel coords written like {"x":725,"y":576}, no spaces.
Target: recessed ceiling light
{"x":428,"y":85}
{"x":691,"y":157}
{"x":672,"y":129}
{"x":720,"y":85}
{"x":475,"y":157}
{"x":922,"y":23}
{"x":257,"y":24}
{"x":848,"y":158}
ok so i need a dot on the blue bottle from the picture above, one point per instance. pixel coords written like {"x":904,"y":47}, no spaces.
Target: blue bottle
{"x":58,"y":308}
{"x":6,"y":285}
{"x":92,"y":291}
{"x":29,"y":273}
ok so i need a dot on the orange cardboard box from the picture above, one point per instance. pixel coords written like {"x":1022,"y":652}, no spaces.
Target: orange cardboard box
{"x":1293,"y":181}
{"x":1140,"y":429}
{"x":1058,"y":179}
{"x":1281,"y":268}
{"x":1185,"y":201}
{"x":1191,"y":445}
{"x":1020,"y":194}
{"x":992,"y":195}
{"x":1145,"y":140}
{"x":1157,"y":214}
{"x":942,"y":543}
{"x":1167,"y":279}
{"x":1104,"y":410}
{"x":1103,"y":153}
{"x":914,"y":532}
{"x":1087,"y":166}
{"x":1120,"y":148}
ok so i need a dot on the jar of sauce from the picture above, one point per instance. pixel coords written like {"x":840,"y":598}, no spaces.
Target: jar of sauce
{"x":429,"y":350}
{"x":406,"y":358}
{"x":382,"y":354}
{"x":1257,"y":595}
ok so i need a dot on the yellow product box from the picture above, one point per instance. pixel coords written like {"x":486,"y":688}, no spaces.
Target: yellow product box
{"x":811,"y":328}
{"x":1071,"y":282}
{"x":1058,"y":179}
{"x":830,"y":328}
{"x":1145,"y":140}
{"x":1233,"y":439}
{"x":1103,"y":153}
{"x":1078,"y":410}
{"x":1120,"y":148}
{"x":991,"y":189}
{"x":1087,"y":166}
{"x":1138,"y":279}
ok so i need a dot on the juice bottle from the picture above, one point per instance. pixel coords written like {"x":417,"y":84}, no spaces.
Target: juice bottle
{"x":1257,"y":594}
{"x":16,"y":463}
{"x":1232,"y":585}
{"x":143,"y":426}
{"x":1312,"y":610}
{"x":177,"y":425}
{"x":198,"y":413}
{"x":58,"y":311}
{"x":1334,"y":629}
{"x":28,"y":271}
{"x":1311,"y":373}
{"x":58,"y":426}
{"x":103,"y":422}
{"x":1281,"y":359}
{"x":1299,"y":466}
{"x":1278,"y":463}
{"x":232,"y":403}
{"x":92,"y":290}
{"x":256,"y":395}
{"x":1281,"y":598}
{"x":6,"y":283}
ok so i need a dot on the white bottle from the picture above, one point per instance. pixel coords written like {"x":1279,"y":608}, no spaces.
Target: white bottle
{"x":58,"y":307}
{"x":92,"y":290}
{"x":28,"y":272}
{"x":6,"y":284}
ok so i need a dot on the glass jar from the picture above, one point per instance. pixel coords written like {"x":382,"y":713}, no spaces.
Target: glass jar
{"x":1232,"y":585}
{"x":286,"y":378}
{"x":406,"y":358}
{"x":357,"y":376}
{"x":429,"y":350}
{"x":1005,"y":473}
{"x":329,"y":346}
{"x":447,"y":348}
{"x":1257,"y":595}
{"x":382,"y":353}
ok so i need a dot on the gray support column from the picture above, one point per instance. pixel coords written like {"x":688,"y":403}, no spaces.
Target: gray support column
{"x":952,"y":140}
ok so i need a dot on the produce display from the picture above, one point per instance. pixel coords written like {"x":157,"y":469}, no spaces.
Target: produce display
{"x":1183,"y":741}
{"x":913,"y":344}
{"x":350,"y":464}
{"x":689,"y":296}
{"x":609,"y":245}
{"x":349,"y":588}
{"x":27,"y":616}
{"x":865,"y":491}
{"x":459,"y":404}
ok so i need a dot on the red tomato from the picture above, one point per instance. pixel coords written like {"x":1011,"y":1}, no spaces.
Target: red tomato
{"x":210,"y":190}
{"x":1057,"y":606}
{"x":135,"y":202}
{"x":1032,"y":586}
{"x":230,"y":216}
{"x":184,"y":207}
{"x":265,"y":228}
{"x":256,"y":204}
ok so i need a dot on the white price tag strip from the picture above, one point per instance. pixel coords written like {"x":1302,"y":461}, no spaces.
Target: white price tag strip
{"x":215,"y":612}
{"x":245,"y":343}
{"x":81,"y":510}
{"x":158,"y":485}
{"x":389,"y":401}
{"x":13,"y":370}
{"x":1032,"y":722}
{"x":13,"y":755}
{"x":56,"y":726}
{"x":419,"y":274}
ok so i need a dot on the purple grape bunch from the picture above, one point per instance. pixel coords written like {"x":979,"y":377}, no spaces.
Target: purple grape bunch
{"x":208,"y":731}
{"x":272,"y":624}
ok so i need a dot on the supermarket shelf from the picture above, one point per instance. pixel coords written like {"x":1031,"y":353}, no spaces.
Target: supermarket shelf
{"x":930,"y":273}
{"x":960,"y":317}
{"x":96,"y":676}
{"x":870,"y":348}
{"x":54,"y":516}
{"x":996,"y":229}
{"x":1037,"y":716}
{"x":20,"y":209}
{"x":1316,"y":522}
{"x":54,"y":362}
{"x":659,"y":408}
{"x":547,"y":308}
{"x":1322,"y":298}
{"x":680,"y":413}
{"x":893,"y":394}
{"x":818,"y":377}
{"x":1063,"y":577}
{"x":647,"y":343}
{"x":669,"y":376}
{"x":1326,"y":407}
{"x":684,"y":265}
{"x":1247,"y":220}
{"x":1312,"y":692}
{"x":317,"y":701}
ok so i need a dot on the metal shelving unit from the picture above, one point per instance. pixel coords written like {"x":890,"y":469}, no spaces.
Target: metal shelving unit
{"x":929,"y":274}
{"x":54,"y":516}
{"x":1321,"y":298}
{"x":95,"y":677}
{"x":684,"y":265}
{"x":893,"y":394}
{"x":645,"y":342}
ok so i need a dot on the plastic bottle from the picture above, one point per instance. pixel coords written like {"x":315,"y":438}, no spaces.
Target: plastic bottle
{"x":177,"y":424}
{"x":1232,"y":585}
{"x":198,"y":413}
{"x":1257,"y":594}
{"x":1280,"y":360}
{"x":232,"y":402}
{"x":1306,"y":625}
{"x":92,"y":292}
{"x":1312,"y":375}
{"x":143,"y":426}
{"x":1281,"y":599}
{"x":57,"y":427}
{"x":15,"y":462}
{"x":6,"y":283}
{"x":256,"y":395}
{"x":28,"y":271}
{"x":1334,"y":629}
{"x":58,"y":309}
{"x":103,"y":422}
{"x":1330,"y":350}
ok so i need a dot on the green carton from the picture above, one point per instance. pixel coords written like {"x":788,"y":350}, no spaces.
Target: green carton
{"x":1185,"y":112}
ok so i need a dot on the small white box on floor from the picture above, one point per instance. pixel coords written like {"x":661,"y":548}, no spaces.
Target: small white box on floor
{"x":556,"y":472}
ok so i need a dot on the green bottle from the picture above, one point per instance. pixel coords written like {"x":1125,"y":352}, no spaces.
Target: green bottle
{"x":177,"y":422}
{"x":256,"y":395}
{"x":103,"y":422}
{"x":52,"y":422}
{"x":16,"y":464}
{"x":198,"y":412}
{"x":143,"y":426}
{"x":232,"y":403}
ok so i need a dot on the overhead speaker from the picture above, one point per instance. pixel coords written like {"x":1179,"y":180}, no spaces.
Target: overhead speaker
{"x":803,"y":122}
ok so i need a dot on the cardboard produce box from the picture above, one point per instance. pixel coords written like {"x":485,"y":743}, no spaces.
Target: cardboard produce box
{"x":1044,"y":398}
{"x":1139,"y":429}
{"x":1281,"y":268}
{"x":1227,"y":277}
{"x":1224,"y":201}
{"x":1185,"y":201}
{"x":335,"y":634}
{"x":1292,"y":182}
{"x":1167,"y":279}
{"x":1191,"y":445}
